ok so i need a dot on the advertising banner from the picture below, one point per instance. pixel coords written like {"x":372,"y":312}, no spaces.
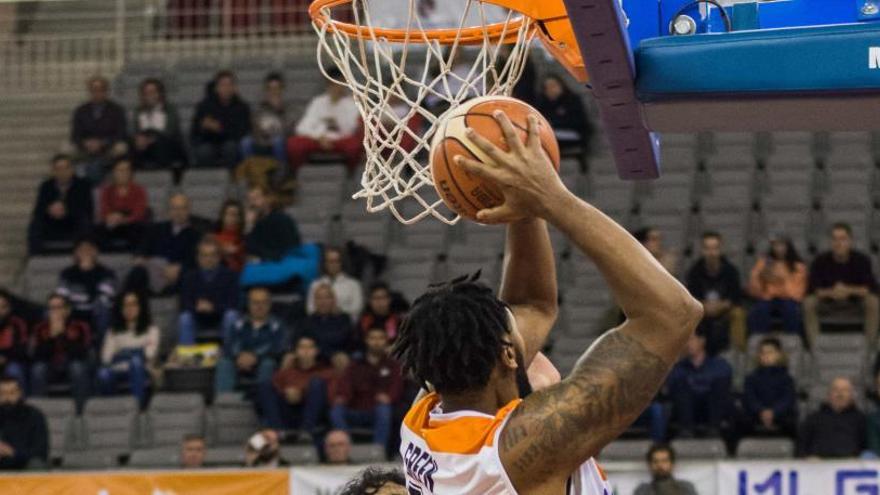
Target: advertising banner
{"x":799,"y":478}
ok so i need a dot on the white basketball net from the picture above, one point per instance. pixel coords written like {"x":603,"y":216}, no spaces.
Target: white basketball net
{"x":392,"y":83}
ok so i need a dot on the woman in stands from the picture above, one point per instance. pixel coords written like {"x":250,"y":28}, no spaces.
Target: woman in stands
{"x":778,"y":282}
{"x":565,"y":111}
{"x":230,"y":234}
{"x":158,"y":139}
{"x":123,"y":209}
{"x":130,"y":347}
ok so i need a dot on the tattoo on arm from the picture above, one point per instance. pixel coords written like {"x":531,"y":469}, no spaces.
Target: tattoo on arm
{"x":561,"y":427}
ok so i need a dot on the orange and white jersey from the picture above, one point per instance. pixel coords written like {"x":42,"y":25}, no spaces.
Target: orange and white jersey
{"x":457,"y":454}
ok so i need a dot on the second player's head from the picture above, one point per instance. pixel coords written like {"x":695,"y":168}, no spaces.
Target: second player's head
{"x":460,"y":338}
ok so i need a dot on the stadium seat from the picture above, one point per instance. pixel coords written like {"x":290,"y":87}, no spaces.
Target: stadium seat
{"x":367,"y":453}
{"x":111,"y":424}
{"x":155,"y":458}
{"x":171,"y":416}
{"x":300,"y":455}
{"x":231,"y":420}
{"x":765,"y":448}
{"x":61,"y":419}
{"x":92,"y":459}
{"x":699,"y":449}
{"x":226,"y":456}
{"x":625,"y":450}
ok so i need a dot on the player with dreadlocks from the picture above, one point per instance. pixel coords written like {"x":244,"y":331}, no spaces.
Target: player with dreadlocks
{"x":473,"y":432}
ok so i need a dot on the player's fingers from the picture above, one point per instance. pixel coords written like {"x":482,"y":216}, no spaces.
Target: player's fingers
{"x":480,"y":169}
{"x":513,"y":141}
{"x":534,"y":139}
{"x":494,"y":152}
{"x":499,"y":214}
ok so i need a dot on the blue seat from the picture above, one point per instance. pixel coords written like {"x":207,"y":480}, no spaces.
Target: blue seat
{"x":768,"y":62}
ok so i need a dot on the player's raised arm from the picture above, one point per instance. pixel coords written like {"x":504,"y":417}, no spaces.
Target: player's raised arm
{"x":528,"y":284}
{"x":557,"y":429}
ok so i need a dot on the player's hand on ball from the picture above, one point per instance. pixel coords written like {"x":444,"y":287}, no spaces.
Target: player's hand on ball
{"x":525,"y":174}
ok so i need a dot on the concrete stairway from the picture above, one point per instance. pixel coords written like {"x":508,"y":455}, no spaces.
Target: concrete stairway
{"x":32,"y":128}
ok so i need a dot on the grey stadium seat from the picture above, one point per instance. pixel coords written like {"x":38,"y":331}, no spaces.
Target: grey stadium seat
{"x":92,"y":459}
{"x":171,"y":416}
{"x":61,"y":419}
{"x":367,"y":453}
{"x":300,"y":455}
{"x":232,"y":419}
{"x":765,"y":448}
{"x":699,"y":449}
{"x":110,"y":424}
{"x":155,"y":458}
{"x":231,"y":455}
{"x":625,"y":450}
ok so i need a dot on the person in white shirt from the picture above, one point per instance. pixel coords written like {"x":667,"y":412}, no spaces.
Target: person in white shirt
{"x":331,"y":124}
{"x":348,"y":290}
{"x":130,"y":347}
{"x":158,"y":138}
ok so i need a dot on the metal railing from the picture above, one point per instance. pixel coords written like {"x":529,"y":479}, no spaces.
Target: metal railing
{"x":53,"y":44}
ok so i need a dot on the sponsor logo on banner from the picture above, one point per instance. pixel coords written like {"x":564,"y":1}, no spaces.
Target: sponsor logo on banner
{"x":799,"y":478}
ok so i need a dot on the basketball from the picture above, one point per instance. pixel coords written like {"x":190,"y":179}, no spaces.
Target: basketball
{"x":462,"y":192}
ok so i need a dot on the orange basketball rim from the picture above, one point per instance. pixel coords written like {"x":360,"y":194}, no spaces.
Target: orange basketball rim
{"x":550,"y":23}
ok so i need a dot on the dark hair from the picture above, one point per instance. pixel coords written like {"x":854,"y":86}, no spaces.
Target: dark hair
{"x":711,"y":234}
{"x":453,"y":336}
{"x":842,"y":226}
{"x":371,"y":480}
{"x":98,"y":78}
{"x":160,"y":87}
{"x":60,"y":156}
{"x":376,"y":329}
{"x":189,"y":437}
{"x":85,"y":239}
{"x":223,"y":74}
{"x":143,"y":321}
{"x":641,"y":234}
{"x":229,"y":203}
{"x":301,"y":338}
{"x":272,"y":77}
{"x":9,"y":379}
{"x":379,"y":286}
{"x":58,"y":295}
{"x":123,"y":159}
{"x":771,"y":341}
{"x":792,"y":257}
{"x":660,"y":447}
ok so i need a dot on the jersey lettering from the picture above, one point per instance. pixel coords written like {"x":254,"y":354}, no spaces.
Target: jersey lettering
{"x":420,"y":466}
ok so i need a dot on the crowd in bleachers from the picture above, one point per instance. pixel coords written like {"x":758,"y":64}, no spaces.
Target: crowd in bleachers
{"x":259,"y":311}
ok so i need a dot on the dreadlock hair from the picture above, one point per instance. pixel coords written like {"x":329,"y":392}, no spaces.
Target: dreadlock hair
{"x":453,"y":336}
{"x":371,"y":480}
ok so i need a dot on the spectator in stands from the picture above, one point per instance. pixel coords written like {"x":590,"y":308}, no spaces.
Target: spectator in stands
{"x":769,"y":395}
{"x":14,"y":341}
{"x":221,"y":120}
{"x":230,"y":234}
{"x":378,"y":313}
{"x":778,"y":283}
{"x":565,"y":111}
{"x":276,"y":256}
{"x":192,"y":451}
{"x":348,"y":290}
{"x":661,"y":462}
{"x":24,"y":435}
{"x":652,"y":239}
{"x":837,"y":429}
{"x":130,"y":348}
{"x":168,"y":250}
{"x":158,"y":138}
{"x":337,"y":448}
{"x":699,"y":386}
{"x":90,"y":287}
{"x":272,"y":234}
{"x":61,"y":351}
{"x":330,"y":328}
{"x":366,"y":393}
{"x":331,"y":123}
{"x":271,"y":122}
{"x":208,"y":294}
{"x":264,"y":450}
{"x":122,"y":208}
{"x":377,"y":481}
{"x":296,"y":397}
{"x":64,"y":209}
{"x":874,"y":417}
{"x":715,"y":282}
{"x":98,"y":130}
{"x":251,"y":346}
{"x":842,"y":281}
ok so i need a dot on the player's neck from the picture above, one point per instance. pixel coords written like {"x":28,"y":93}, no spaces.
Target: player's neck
{"x":484,"y":401}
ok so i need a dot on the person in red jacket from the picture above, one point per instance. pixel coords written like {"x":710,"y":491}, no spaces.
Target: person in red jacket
{"x":123,"y":208}
{"x":366,"y":393}
{"x":60,"y":351}
{"x":379,"y":313}
{"x":13,"y":342}
{"x":296,"y":396}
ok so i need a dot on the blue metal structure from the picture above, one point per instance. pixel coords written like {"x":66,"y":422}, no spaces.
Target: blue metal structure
{"x":758,"y":65}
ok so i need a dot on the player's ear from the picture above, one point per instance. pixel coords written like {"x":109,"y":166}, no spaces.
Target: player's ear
{"x":508,"y":357}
